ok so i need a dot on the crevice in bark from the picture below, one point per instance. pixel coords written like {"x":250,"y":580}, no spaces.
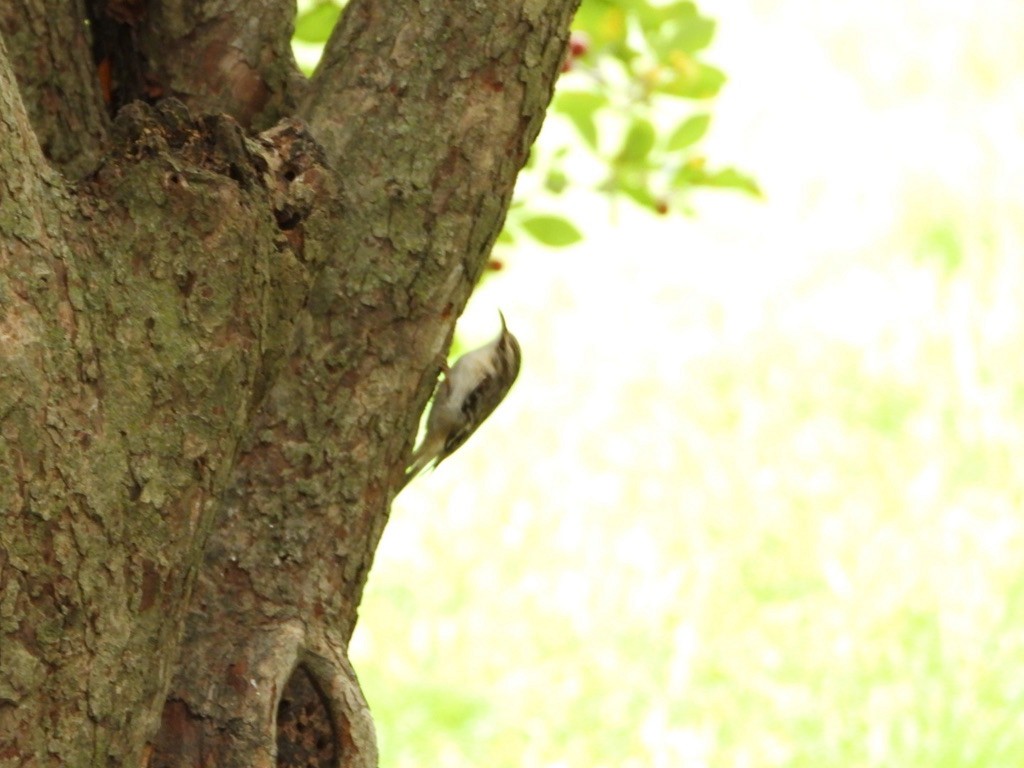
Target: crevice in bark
{"x":120,"y":64}
{"x":179,"y":740}
{"x":306,"y":733}
{"x":228,"y":56}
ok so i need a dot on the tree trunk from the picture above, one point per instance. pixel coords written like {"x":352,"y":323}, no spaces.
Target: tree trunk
{"x":215,"y":346}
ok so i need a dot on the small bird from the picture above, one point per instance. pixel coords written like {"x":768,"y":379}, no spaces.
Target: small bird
{"x":469,"y":393}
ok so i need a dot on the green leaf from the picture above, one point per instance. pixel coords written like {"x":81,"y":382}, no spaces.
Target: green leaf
{"x":639,"y":193}
{"x":315,"y":25}
{"x":695,"y":80}
{"x":708,"y":83}
{"x":556,"y":181}
{"x":605,"y":23}
{"x":689,"y":132}
{"x":579,"y":107}
{"x":730,"y":178}
{"x":552,"y":230}
{"x":505,"y":237}
{"x":638,"y":143}
{"x":690,"y":36}
{"x":655,"y":17}
{"x":695,"y":175}
{"x":631,"y":180}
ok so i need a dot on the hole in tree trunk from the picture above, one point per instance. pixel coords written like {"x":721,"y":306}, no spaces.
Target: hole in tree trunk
{"x":306,"y":736}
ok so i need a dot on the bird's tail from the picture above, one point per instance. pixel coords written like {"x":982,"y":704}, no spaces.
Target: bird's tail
{"x":423,"y":457}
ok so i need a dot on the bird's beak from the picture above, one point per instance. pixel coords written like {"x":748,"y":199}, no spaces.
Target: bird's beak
{"x":504,"y":327}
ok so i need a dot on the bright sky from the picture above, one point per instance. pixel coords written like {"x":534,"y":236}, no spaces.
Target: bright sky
{"x":854,"y":118}
{"x":881,"y":133}
{"x":868,"y":125}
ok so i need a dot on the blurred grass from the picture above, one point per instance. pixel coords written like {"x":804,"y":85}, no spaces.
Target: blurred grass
{"x":756,"y":498}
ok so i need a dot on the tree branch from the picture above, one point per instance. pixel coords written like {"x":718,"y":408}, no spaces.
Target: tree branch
{"x":25,"y":168}
{"x":427,"y":117}
{"x":428,"y":114}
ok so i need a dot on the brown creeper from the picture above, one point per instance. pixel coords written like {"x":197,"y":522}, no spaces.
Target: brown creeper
{"x":471,"y":390}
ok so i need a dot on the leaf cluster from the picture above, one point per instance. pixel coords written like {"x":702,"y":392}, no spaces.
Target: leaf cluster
{"x":637,"y":94}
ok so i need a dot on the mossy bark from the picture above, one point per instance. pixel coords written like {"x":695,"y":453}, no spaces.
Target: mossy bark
{"x":214,"y":347}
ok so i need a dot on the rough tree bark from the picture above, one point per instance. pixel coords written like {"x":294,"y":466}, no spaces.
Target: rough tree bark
{"x":224,"y":293}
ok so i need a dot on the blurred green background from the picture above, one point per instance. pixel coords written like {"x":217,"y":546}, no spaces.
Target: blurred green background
{"x":756,"y":498}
